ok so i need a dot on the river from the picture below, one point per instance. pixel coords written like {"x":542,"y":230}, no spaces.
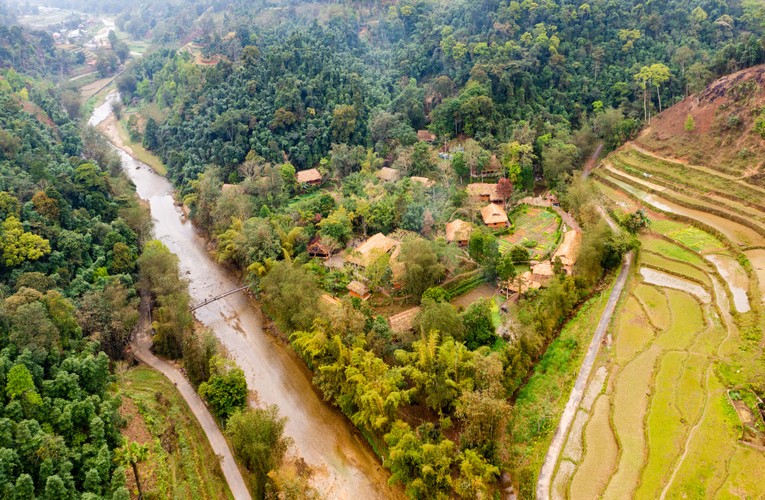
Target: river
{"x":343,"y":464}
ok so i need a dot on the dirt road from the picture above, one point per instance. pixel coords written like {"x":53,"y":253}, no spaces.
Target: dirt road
{"x":141,"y":347}
{"x":592,"y":161}
{"x":559,"y":439}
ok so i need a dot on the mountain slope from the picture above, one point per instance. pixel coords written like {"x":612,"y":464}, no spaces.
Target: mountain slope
{"x":727,"y":117}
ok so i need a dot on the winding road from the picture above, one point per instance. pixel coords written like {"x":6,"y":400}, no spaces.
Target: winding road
{"x":141,"y":347}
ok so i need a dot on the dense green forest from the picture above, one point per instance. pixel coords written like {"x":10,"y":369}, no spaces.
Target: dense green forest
{"x":70,"y":238}
{"x":499,"y":72}
{"x":239,"y":96}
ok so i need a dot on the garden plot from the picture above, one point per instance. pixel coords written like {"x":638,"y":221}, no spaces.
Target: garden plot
{"x":537,"y":229}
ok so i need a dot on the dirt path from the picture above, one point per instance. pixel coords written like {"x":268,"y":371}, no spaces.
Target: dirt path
{"x":141,"y":347}
{"x":592,"y":161}
{"x":553,"y":453}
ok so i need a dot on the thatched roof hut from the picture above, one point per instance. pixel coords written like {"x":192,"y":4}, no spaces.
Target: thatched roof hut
{"x":483,"y":191}
{"x":364,"y":254}
{"x":232,"y":188}
{"x":568,"y":251}
{"x":494,"y":216}
{"x":542,"y":272}
{"x":359,"y":290}
{"x":310,"y":176}
{"x":424,"y":181}
{"x":404,"y":322}
{"x":458,"y":231}
{"x":317,"y":249}
{"x":426,"y":136}
{"x":387,"y":174}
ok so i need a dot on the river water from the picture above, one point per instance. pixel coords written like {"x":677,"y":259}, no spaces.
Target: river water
{"x":343,"y":463}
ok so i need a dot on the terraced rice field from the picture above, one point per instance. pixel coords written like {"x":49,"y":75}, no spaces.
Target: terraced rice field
{"x":663,"y":427}
{"x":533,"y":225}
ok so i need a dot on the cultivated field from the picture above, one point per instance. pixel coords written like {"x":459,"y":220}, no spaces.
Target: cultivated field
{"x":662,"y":425}
{"x":535,"y":228}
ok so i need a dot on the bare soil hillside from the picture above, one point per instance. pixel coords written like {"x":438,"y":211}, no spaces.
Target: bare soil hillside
{"x":724,"y":137}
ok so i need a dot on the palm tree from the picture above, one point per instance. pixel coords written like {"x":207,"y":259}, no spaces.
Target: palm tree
{"x":133,"y":453}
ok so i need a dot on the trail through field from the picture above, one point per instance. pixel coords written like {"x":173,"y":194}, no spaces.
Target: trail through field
{"x":574,"y":400}
{"x":592,"y":161}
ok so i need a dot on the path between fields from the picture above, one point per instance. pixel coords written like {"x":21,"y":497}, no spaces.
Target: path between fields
{"x":556,"y":446}
{"x":141,"y":347}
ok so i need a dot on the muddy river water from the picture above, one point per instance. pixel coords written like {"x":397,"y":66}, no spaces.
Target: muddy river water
{"x":343,"y":463}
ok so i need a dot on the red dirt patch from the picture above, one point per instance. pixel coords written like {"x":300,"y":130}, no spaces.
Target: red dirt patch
{"x":136,"y":429}
{"x":42,"y":117}
{"x":724,"y":114}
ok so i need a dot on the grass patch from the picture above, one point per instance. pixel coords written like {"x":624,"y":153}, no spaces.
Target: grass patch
{"x":744,"y":474}
{"x":141,"y":153}
{"x":692,"y":237}
{"x":181,"y":462}
{"x":666,"y":428}
{"x":667,"y":249}
{"x":629,"y":407}
{"x":656,"y":304}
{"x":703,"y":470}
{"x":688,"y":320}
{"x":602,"y":454}
{"x":633,"y":331}
{"x":689,"y":394}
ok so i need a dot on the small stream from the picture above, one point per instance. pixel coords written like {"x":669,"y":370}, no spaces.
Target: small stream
{"x":343,"y":464}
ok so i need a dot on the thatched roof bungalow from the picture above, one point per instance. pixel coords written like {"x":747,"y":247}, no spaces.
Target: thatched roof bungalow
{"x":311,"y":177}
{"x":387,"y":174}
{"x":359,"y":290}
{"x":317,"y":249}
{"x":542,"y":272}
{"x":426,"y":136}
{"x":367,"y":252}
{"x":458,"y":231}
{"x":424,"y":181}
{"x":404,"y":322}
{"x":494,"y":216}
{"x":482,"y":191}
{"x":568,"y":251}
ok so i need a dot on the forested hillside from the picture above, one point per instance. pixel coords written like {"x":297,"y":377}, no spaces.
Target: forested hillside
{"x":511,"y":72}
{"x":69,"y":244}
